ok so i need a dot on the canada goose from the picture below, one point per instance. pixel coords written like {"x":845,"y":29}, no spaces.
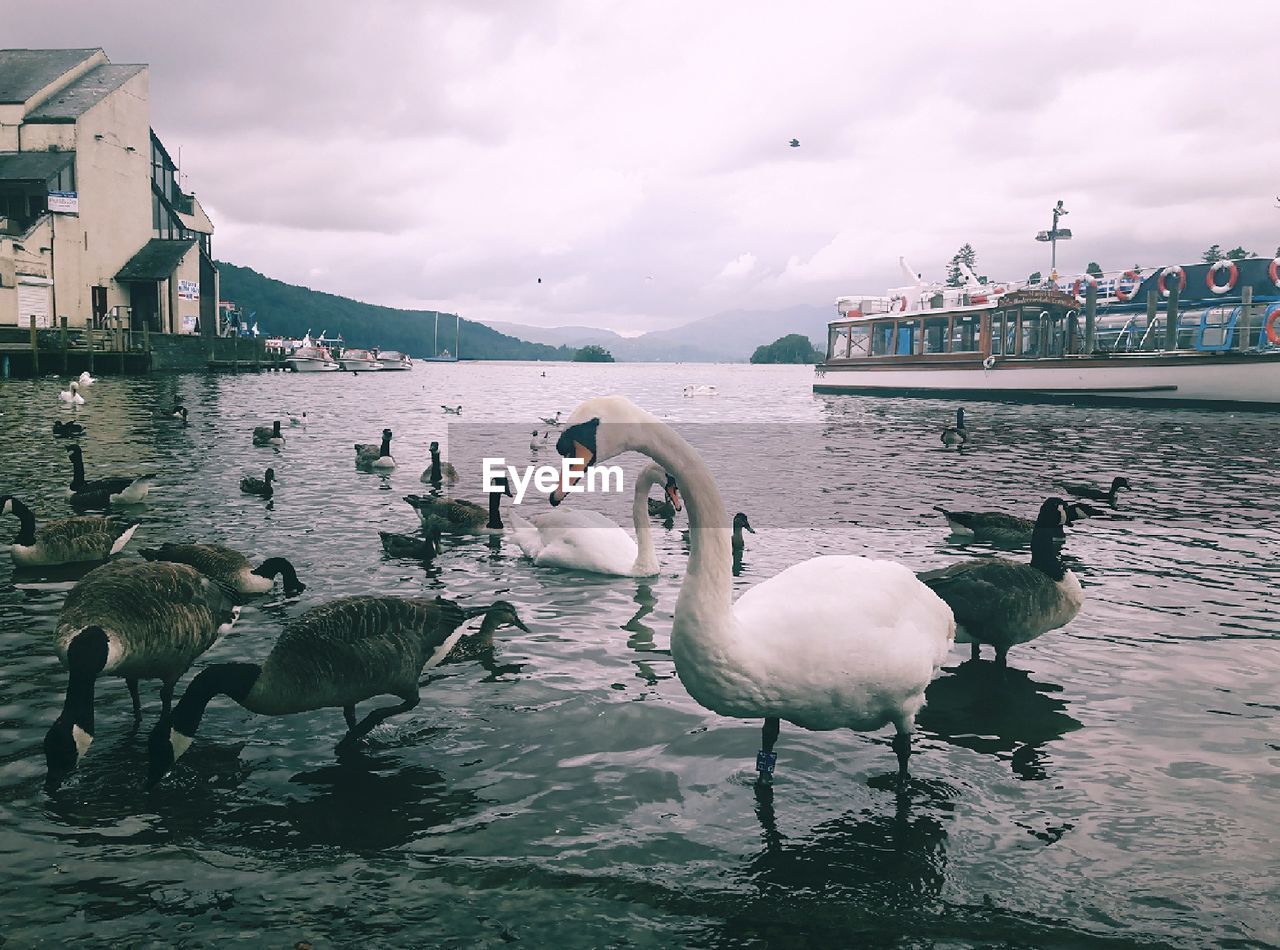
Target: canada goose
{"x":834,"y":642}
{"x":461,"y":516}
{"x":369,"y":457}
{"x":124,"y":490}
{"x":452,"y":410}
{"x":229,"y":567}
{"x":66,"y":429}
{"x":665,"y":507}
{"x":740,"y":522}
{"x":438,"y":471}
{"x":956,"y":434}
{"x":1005,"y":603}
{"x":417,"y":548}
{"x":996,"y":527}
{"x":261,"y":487}
{"x":297,"y":421}
{"x":552,"y":421}
{"x":179,"y":413}
{"x":136,"y":620}
{"x":71,"y":395}
{"x":65,"y":541}
{"x":581,"y":540}
{"x":336,"y":655}
{"x":1084,"y":490}
{"x":268,"y":435}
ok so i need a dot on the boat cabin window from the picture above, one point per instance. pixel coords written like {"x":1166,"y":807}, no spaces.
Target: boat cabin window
{"x":935,"y":334}
{"x":882,"y":339}
{"x":1030,"y":344}
{"x":859,"y":341}
{"x":997,"y":333}
{"x":964,"y":333}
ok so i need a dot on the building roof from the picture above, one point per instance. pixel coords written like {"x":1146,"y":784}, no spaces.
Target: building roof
{"x":33,"y":166}
{"x":156,"y":260}
{"x":73,"y":101}
{"x":24,"y":72}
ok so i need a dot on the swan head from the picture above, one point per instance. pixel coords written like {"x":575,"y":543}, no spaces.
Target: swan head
{"x":598,"y":430}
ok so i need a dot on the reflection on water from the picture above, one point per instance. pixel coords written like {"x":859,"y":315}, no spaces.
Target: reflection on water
{"x":559,"y":786}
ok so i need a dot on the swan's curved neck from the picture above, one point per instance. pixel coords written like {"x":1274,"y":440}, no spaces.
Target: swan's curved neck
{"x":704,"y":609}
{"x":646,"y":557}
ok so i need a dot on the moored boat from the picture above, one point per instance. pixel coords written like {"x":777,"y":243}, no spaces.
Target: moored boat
{"x":392,"y":359}
{"x":1193,"y":334}
{"x":357,"y":360}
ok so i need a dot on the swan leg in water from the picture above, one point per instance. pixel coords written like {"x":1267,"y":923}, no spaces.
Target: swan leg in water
{"x":366,"y":725}
{"x":766,"y":758}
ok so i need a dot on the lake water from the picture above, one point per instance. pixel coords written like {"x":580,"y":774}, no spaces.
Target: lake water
{"x":1120,"y":786}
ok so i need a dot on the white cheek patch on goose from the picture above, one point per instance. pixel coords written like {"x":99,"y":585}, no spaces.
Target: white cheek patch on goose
{"x":82,"y":739}
{"x":115,"y":653}
{"x":223,"y":628}
{"x":179,"y":743}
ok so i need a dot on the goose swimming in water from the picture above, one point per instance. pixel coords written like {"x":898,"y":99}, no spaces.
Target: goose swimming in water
{"x":423,"y":548}
{"x":67,"y":429}
{"x":438,"y":471}
{"x":137,"y":620}
{"x":552,"y":421}
{"x":997,"y":527}
{"x":101,"y":492}
{"x":740,"y":523}
{"x":268,"y":435}
{"x":452,"y":410}
{"x":956,"y":434}
{"x":262,"y":487}
{"x":179,"y":413}
{"x":229,"y":567}
{"x":1084,"y":490}
{"x":65,"y":541}
{"x":835,"y":642}
{"x":665,"y":507}
{"x":71,"y":395}
{"x":461,"y":516}
{"x":1005,"y":603}
{"x":297,"y":421}
{"x":334,"y":656}
{"x":370,"y":457}
{"x":579,"y":540}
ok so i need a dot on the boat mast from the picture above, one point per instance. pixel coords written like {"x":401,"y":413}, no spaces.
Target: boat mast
{"x":435,"y":347}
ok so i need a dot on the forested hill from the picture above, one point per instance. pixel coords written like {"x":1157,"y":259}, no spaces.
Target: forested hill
{"x":287,"y":310}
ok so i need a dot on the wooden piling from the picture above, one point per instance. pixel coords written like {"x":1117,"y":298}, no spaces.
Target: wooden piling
{"x":35,"y":348}
{"x":1171,"y":319}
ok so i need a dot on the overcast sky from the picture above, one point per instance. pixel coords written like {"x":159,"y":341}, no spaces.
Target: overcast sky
{"x":634,"y":155}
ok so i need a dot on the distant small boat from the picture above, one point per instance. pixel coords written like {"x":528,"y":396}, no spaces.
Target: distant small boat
{"x":356,"y":360}
{"x":391,"y":359}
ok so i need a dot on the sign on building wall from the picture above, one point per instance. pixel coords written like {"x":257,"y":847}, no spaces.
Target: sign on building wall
{"x":189,"y":323}
{"x":188,"y":290}
{"x":64,"y":202}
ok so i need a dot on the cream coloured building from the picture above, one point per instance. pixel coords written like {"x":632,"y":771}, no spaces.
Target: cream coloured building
{"x":94,"y":225}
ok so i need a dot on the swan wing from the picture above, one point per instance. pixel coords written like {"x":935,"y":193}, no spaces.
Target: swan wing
{"x":575,"y":539}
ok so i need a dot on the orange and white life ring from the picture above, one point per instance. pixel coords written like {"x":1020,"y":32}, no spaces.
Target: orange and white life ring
{"x":1274,"y":272}
{"x":1125,"y":296}
{"x":1273,"y":327}
{"x":1085,"y":280}
{"x":1211,"y":276}
{"x":1170,"y":272}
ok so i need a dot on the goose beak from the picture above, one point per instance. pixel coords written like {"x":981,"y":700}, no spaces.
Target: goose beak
{"x":571,"y":474}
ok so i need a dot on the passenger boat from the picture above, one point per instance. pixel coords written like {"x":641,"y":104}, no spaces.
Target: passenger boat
{"x":311,"y":359}
{"x":1195,"y":334}
{"x":391,"y":359}
{"x":357,"y":360}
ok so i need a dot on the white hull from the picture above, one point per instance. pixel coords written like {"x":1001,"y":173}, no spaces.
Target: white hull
{"x":361,"y":366}
{"x":308,"y":365}
{"x":1190,"y":378}
{"x":390,"y":364}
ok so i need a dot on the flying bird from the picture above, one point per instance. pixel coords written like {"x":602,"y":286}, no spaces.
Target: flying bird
{"x":795,"y":143}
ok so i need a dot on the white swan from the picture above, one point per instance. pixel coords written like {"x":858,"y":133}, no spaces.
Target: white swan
{"x":85,"y":379}
{"x":589,"y":541}
{"x":700,"y":391}
{"x":72,"y":395}
{"x":835,"y":642}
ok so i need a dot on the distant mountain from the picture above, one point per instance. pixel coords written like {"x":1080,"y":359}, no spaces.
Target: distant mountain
{"x":725,"y":337}
{"x":282,"y":309}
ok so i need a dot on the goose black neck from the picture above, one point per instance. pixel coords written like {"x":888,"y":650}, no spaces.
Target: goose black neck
{"x":275,"y":429}
{"x":86,"y":658}
{"x":386,"y":447}
{"x":274,"y":567}
{"x":435,"y":465}
{"x":226,"y":679}
{"x":495,"y":515}
{"x":1044,"y":552}
{"x":27,"y":531}
{"x":77,"y":471}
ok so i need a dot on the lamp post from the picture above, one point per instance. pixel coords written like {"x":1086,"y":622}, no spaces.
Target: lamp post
{"x":1053,"y":236}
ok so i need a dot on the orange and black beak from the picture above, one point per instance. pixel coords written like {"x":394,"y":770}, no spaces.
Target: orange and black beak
{"x":573,"y":474}
{"x":673,"y":493}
